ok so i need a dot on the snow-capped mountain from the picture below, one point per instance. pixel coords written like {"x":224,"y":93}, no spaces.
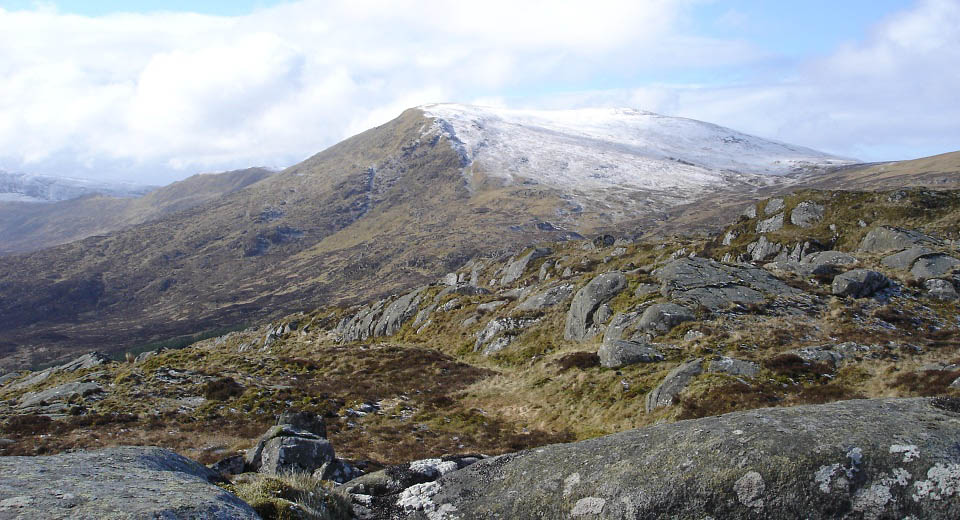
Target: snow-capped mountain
{"x":606,"y":148}
{"x":23,"y":187}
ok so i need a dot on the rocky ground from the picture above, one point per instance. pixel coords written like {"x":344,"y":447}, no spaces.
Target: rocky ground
{"x":807,"y":299}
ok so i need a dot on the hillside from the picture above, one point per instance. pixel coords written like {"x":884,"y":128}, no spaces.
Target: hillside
{"x":565,"y":341}
{"x":27,"y":226}
{"x":22,"y":187}
{"x":387,"y":209}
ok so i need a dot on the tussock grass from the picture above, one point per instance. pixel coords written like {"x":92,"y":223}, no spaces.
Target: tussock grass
{"x":292,"y":496}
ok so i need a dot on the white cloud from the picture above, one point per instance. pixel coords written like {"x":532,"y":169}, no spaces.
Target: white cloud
{"x":892,"y":96}
{"x":165,"y":95}
{"x":178,"y":92}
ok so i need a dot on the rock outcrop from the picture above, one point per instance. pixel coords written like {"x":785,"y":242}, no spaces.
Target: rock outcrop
{"x":580,"y":323}
{"x":859,"y":283}
{"x":717,"y":286}
{"x":617,"y":353}
{"x":675,"y":382}
{"x":127,"y":482}
{"x":661,"y":317}
{"x":884,"y":458}
{"x":516,"y":269}
{"x":546,"y":298}
{"x":807,"y":214}
{"x":889,"y":238}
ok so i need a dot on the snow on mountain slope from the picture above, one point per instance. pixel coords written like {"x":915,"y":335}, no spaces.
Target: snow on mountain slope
{"x":592,"y":149}
{"x":21,"y":187}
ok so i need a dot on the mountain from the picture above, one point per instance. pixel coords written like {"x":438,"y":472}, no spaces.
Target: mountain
{"x":22,"y":187}
{"x":28,"y":226}
{"x":385,"y":210}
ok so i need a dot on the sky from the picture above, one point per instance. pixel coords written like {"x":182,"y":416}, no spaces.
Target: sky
{"x":153,"y":92}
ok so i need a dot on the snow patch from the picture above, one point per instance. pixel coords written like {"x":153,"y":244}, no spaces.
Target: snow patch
{"x":595,"y":149}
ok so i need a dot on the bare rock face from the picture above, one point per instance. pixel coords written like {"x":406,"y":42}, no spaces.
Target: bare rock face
{"x":878,"y":458}
{"x":127,"y":482}
{"x":716,"y":286}
{"x":859,"y":283}
{"x":617,"y":353}
{"x":516,"y":269}
{"x":889,"y":238}
{"x":661,"y":317}
{"x":675,"y":382}
{"x":807,"y":214}
{"x":580,"y":322}
{"x":774,"y":223}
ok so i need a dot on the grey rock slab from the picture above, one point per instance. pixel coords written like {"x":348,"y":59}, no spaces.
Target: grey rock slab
{"x":880,"y":458}
{"x":829,"y":258}
{"x":500,"y":332}
{"x":254,"y":456}
{"x":859,"y":283}
{"x":91,"y":360}
{"x":86,"y":361}
{"x":115,"y":483}
{"x":603,"y":314}
{"x":361,"y":325}
{"x":617,"y":353}
{"x":579,"y":322}
{"x":338,"y":471}
{"x":662,"y":317}
{"x":807,"y":214}
{"x":546,"y":298}
{"x":61,"y":393}
{"x":470,"y":290}
{"x":295,"y":454}
{"x":644,"y":289}
{"x":763,"y":249}
{"x":888,"y":238}
{"x":516,"y":269}
{"x":397,"y":313}
{"x":904,"y":259}
{"x":819,"y":354}
{"x":774,"y":223}
{"x":619,"y":324}
{"x":773,"y":206}
{"x":734,"y":367}
{"x":716,"y":286}
{"x":934,"y":266}
{"x":491,"y":306}
{"x":6,"y":378}
{"x":940,"y":289}
{"x":675,"y":382}
{"x":750,"y":211}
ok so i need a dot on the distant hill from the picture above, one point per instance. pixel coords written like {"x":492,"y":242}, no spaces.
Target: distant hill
{"x":22,"y":187}
{"x":30,"y":226}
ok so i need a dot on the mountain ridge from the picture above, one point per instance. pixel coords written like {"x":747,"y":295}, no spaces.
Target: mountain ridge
{"x":30,"y":226}
{"x":23,"y":187}
{"x":386,"y":210}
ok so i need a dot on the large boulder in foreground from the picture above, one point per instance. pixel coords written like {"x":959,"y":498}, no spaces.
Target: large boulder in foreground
{"x":127,"y":482}
{"x":884,"y":458}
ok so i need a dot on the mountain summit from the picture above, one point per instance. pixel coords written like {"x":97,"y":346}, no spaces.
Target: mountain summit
{"x":594,"y":149}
